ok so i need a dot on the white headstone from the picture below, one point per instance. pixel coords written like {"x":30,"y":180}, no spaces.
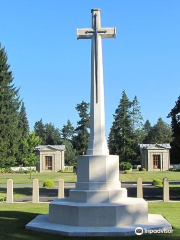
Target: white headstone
{"x":165,"y":189}
{"x":9,"y":197}
{"x":139,"y":188}
{"x":35,"y":198}
{"x":61,"y":188}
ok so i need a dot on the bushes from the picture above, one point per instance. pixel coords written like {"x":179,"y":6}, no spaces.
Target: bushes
{"x":2,"y":199}
{"x":126,"y":171}
{"x":6,"y":170}
{"x":125,"y":165}
{"x":174,"y":169}
{"x":143,"y":169}
{"x":48,"y":183}
{"x":157,"y":182}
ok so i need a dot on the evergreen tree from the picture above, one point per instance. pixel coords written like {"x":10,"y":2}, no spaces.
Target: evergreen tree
{"x":23,"y":126}
{"x":70,"y":153}
{"x":49,"y":134}
{"x":138,"y":133}
{"x":39,"y":129}
{"x":81,"y":137}
{"x":53,"y":135}
{"x":67,"y":131}
{"x":9,"y":114}
{"x":120,"y":137}
{"x":175,"y":125}
{"x":159,"y":133}
{"x":137,"y":118}
{"x":147,"y":127}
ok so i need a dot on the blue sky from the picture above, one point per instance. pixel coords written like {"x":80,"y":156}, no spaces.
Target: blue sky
{"x":52,"y":67}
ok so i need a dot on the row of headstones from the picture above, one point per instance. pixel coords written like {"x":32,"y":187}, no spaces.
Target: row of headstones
{"x":35,"y":192}
{"x":165,"y":189}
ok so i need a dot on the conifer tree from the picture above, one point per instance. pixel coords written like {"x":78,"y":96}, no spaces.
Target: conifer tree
{"x":39,"y":129}
{"x":138,"y":132}
{"x":81,"y":137}
{"x":137,"y":118}
{"x":67,"y":131}
{"x":23,"y":127}
{"x":175,"y":125}
{"x":120,"y":137}
{"x":159,"y":133}
{"x":147,"y":127}
{"x":9,"y":113}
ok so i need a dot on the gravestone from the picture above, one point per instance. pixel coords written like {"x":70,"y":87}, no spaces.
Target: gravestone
{"x":35,"y":195}
{"x":61,"y":188}
{"x":165,"y":189}
{"x":139,"y":188}
{"x":9,"y":197}
{"x":98,"y":206}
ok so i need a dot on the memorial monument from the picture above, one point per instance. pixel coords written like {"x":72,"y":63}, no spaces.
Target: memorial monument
{"x":98,"y":206}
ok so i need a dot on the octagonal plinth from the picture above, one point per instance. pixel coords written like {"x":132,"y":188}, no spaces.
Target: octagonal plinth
{"x":127,"y":211}
{"x":97,"y":196}
{"x":98,"y":168}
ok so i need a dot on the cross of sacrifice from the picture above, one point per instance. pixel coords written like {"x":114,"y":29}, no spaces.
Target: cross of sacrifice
{"x":96,"y":33}
{"x":97,"y":143}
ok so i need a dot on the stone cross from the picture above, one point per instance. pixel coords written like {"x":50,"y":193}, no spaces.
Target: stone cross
{"x":97,"y":143}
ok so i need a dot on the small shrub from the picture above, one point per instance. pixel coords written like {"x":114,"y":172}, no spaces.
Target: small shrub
{"x":2,"y":170}
{"x":157,"y":182}
{"x":125,"y":165}
{"x":2,"y":199}
{"x":126,"y":171}
{"x":48,"y":183}
{"x":61,"y":171}
{"x":174,"y":169}
{"x":144,"y":170}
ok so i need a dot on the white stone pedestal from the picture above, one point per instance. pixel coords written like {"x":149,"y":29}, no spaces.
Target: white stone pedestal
{"x":98,"y":206}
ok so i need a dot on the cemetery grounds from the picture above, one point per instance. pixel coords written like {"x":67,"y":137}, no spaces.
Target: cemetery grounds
{"x":14,"y":217}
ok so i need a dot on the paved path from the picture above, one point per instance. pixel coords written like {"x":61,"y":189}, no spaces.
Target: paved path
{"x":150,"y":192}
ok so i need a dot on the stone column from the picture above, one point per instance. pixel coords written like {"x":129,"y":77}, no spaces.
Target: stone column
{"x":9,"y":197}
{"x":165,"y":190}
{"x":35,"y":197}
{"x":139,"y":188}
{"x":61,"y":188}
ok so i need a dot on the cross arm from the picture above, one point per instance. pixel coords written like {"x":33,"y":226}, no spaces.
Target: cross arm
{"x":84,"y":33}
{"x":107,"y":32}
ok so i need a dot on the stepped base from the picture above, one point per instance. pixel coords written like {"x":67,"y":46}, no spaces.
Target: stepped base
{"x":126,"y":211}
{"x":41,"y":223}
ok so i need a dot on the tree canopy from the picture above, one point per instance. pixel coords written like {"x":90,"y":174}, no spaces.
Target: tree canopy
{"x":175,"y":125}
{"x":81,"y":137}
{"x":9,"y":114}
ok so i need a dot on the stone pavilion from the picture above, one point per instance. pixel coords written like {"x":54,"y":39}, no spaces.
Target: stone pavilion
{"x":155,"y":157}
{"x":51,"y":158}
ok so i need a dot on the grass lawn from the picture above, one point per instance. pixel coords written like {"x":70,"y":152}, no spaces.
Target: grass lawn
{"x":72,"y":177}
{"x":14,"y":217}
{"x":18,"y":192}
{"x":24,"y":178}
{"x":150,"y":176}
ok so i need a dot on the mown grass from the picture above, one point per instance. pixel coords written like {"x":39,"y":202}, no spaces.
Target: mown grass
{"x":150,"y":176}
{"x":17,"y":192}
{"x":24,"y":178}
{"x":72,"y":177}
{"x":14,"y":217}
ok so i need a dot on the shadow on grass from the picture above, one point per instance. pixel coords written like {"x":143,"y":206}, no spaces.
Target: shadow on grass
{"x":13,"y":228}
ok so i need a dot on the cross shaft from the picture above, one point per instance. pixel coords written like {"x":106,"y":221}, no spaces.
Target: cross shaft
{"x":97,"y":143}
